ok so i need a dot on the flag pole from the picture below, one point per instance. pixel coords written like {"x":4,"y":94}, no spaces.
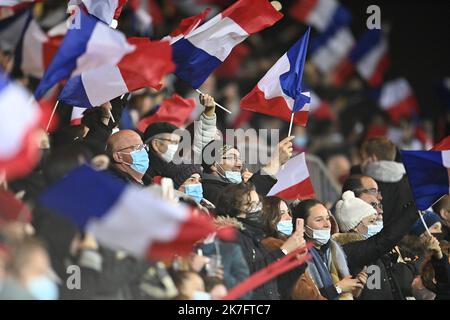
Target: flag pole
{"x":217,"y":105}
{"x":51,"y":116}
{"x":111,"y":115}
{"x":290,"y":124}
{"x":421,"y":213}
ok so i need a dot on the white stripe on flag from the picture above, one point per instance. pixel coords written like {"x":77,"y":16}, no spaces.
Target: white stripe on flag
{"x":103,"y":83}
{"x":210,"y":36}
{"x":17,"y":116}
{"x":102,"y":9}
{"x":33,"y":50}
{"x":270,"y":83}
{"x":292,"y":173}
{"x":446,"y":158}
{"x":322,"y":14}
{"x":105,"y":47}
{"x":393,"y":92}
{"x":367,"y":65}
{"x":132,"y":227}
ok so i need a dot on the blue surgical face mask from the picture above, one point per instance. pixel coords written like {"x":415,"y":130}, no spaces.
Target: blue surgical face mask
{"x":320,"y":236}
{"x":285,"y":227}
{"x":300,"y":141}
{"x":200,"y":295}
{"x":373,"y":229}
{"x":140,"y":161}
{"x":170,"y":152}
{"x":42,"y":288}
{"x":233,"y":176}
{"x":195,"y":191}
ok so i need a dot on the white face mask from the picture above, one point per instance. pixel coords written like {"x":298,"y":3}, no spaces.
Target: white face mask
{"x":170,"y":153}
{"x":320,"y":237}
{"x":200,"y":295}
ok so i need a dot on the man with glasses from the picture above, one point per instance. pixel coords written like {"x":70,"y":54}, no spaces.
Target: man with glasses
{"x":222,"y":165}
{"x":128,"y":154}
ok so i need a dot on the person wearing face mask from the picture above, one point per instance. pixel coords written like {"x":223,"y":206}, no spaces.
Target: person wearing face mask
{"x":128,"y":154}
{"x":236,"y":203}
{"x":29,"y":273}
{"x":365,"y":242}
{"x":187,"y":178}
{"x":222,"y":165}
{"x":328,"y":267}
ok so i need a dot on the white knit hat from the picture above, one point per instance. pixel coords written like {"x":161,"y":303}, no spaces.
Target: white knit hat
{"x":351,"y":210}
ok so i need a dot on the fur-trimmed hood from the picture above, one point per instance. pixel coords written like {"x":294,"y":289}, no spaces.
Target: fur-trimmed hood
{"x":385,"y":171}
{"x":227,"y":221}
{"x":347,"y":237}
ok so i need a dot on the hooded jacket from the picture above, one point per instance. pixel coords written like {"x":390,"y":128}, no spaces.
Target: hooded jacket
{"x":392,"y":181}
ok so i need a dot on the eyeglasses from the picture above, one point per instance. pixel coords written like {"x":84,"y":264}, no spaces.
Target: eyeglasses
{"x":232,"y":157}
{"x":372,"y":191}
{"x":376,"y":205}
{"x":136,"y":147}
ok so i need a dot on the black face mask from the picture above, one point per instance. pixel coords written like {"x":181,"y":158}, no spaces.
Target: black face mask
{"x":255,"y":217}
{"x":438,"y":235}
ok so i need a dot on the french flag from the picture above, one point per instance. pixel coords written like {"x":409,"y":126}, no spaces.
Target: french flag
{"x":200,"y":52}
{"x":125,"y":216}
{"x":37,"y":48}
{"x":147,"y":14}
{"x":12,"y":30}
{"x":76,"y":116}
{"x":293,"y":182}
{"x":397,"y":98}
{"x":428,"y":174}
{"x":20,"y":120}
{"x":279,"y":93}
{"x":175,"y":110}
{"x":104,"y":10}
{"x":330,"y":48}
{"x":89,"y":45}
{"x":320,"y":109}
{"x":444,"y":144}
{"x":369,"y":57}
{"x":321,"y":14}
{"x":144,"y":67}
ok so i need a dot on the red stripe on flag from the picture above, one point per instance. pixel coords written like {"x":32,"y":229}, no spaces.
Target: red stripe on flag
{"x":301,"y":9}
{"x":342,"y":72}
{"x":147,"y":65}
{"x":277,"y":107}
{"x":196,"y":227}
{"x":251,"y":15}
{"x":300,"y":191}
{"x":49,"y":49}
{"x":405,"y":108}
{"x":442,"y":145}
{"x":377,"y":78}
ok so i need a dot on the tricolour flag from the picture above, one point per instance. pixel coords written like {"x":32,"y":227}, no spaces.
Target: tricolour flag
{"x":330,"y":48}
{"x":293,"y":180}
{"x":321,"y":14}
{"x":12,"y":29}
{"x":428,"y":174}
{"x":125,"y":216}
{"x":175,"y":110}
{"x":444,"y":144}
{"x":104,"y":10}
{"x":9,"y":8}
{"x":144,"y":67}
{"x":76,"y":116}
{"x":279,"y":93}
{"x":20,"y":120}
{"x":89,"y":44}
{"x":398,"y":100}
{"x":369,"y":57}
{"x":201,"y":51}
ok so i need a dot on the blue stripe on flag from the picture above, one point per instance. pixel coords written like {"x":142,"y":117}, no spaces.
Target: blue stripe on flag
{"x":83,"y":194}
{"x":74,"y":93}
{"x":368,"y":41}
{"x":291,"y":81}
{"x":194,"y":65}
{"x":427,"y":176}
{"x":65,"y":59}
{"x":3,"y":80}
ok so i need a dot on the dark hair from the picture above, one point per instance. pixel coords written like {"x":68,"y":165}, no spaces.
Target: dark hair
{"x":353,"y":183}
{"x":381,"y":147}
{"x":66,"y":136}
{"x":302,"y":208}
{"x":233,"y":198}
{"x":271,"y":215}
{"x":211,"y":282}
{"x":63,"y":160}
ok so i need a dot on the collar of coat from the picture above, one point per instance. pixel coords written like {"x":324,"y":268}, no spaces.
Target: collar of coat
{"x":347,"y":237}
